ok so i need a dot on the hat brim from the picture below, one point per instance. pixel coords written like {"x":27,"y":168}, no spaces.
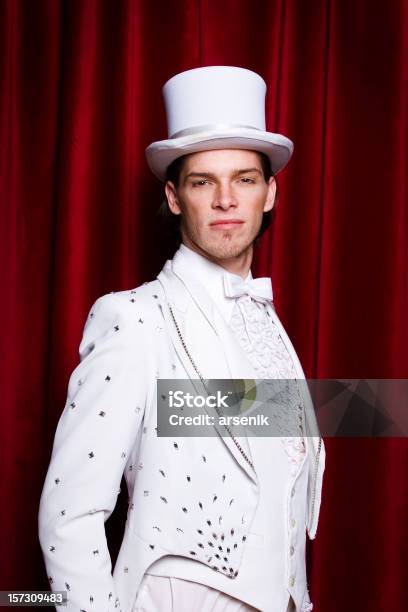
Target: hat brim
{"x":278,"y":148}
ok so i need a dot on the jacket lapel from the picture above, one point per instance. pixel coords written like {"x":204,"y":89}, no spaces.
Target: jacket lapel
{"x":210,"y":342}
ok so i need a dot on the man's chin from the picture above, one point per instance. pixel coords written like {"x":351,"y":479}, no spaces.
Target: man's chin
{"x":225,"y":249}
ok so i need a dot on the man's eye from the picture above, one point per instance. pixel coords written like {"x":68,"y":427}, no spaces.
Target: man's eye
{"x":246,"y":179}
{"x":199,"y":183}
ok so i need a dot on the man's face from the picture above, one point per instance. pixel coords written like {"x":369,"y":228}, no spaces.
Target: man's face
{"x":221,"y":196}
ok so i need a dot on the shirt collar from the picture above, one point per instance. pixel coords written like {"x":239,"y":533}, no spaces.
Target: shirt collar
{"x":209,"y":274}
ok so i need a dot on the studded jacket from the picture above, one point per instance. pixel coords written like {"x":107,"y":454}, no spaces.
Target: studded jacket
{"x":108,"y":428}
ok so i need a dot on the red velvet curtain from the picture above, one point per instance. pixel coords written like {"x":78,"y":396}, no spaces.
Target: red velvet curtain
{"x":80,"y":98}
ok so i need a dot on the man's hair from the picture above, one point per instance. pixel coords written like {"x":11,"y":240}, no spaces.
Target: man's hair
{"x":170,"y":223}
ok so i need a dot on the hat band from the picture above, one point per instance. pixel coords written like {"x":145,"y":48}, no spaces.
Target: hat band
{"x":212,"y":127}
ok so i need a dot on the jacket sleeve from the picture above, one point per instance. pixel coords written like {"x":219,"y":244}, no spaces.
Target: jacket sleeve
{"x":96,"y":432}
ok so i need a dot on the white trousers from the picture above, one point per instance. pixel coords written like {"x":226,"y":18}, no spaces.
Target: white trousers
{"x":168,"y":594}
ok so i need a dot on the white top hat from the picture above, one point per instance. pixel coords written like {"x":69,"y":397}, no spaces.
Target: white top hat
{"x":216,"y":107}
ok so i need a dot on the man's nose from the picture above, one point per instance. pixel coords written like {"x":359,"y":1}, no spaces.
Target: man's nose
{"x":224,"y":196}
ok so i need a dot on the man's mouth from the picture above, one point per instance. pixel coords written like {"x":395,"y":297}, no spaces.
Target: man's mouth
{"x":226,"y":224}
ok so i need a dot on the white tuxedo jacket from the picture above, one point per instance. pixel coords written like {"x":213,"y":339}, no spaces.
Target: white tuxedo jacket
{"x":107,"y":429}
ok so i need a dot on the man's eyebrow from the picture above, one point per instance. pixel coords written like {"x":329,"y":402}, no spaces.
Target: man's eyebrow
{"x":212,"y":176}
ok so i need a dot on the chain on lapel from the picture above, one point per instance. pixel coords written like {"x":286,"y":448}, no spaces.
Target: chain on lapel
{"x":218,"y":409}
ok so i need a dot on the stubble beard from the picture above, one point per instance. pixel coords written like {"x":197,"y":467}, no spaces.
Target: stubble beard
{"x":225,"y":246}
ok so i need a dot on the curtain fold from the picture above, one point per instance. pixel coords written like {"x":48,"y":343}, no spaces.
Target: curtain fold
{"x":80,"y":99}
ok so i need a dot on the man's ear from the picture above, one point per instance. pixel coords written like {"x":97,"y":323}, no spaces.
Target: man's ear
{"x":171,"y":195}
{"x":271,"y":195}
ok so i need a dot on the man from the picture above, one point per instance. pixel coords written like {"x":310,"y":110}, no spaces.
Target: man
{"x":214,"y":523}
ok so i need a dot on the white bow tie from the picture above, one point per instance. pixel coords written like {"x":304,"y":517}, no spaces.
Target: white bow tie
{"x":259,"y":289}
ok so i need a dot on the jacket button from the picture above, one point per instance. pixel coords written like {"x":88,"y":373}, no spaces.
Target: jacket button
{"x":292,"y":550}
{"x":292,"y":522}
{"x":292,"y":581}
